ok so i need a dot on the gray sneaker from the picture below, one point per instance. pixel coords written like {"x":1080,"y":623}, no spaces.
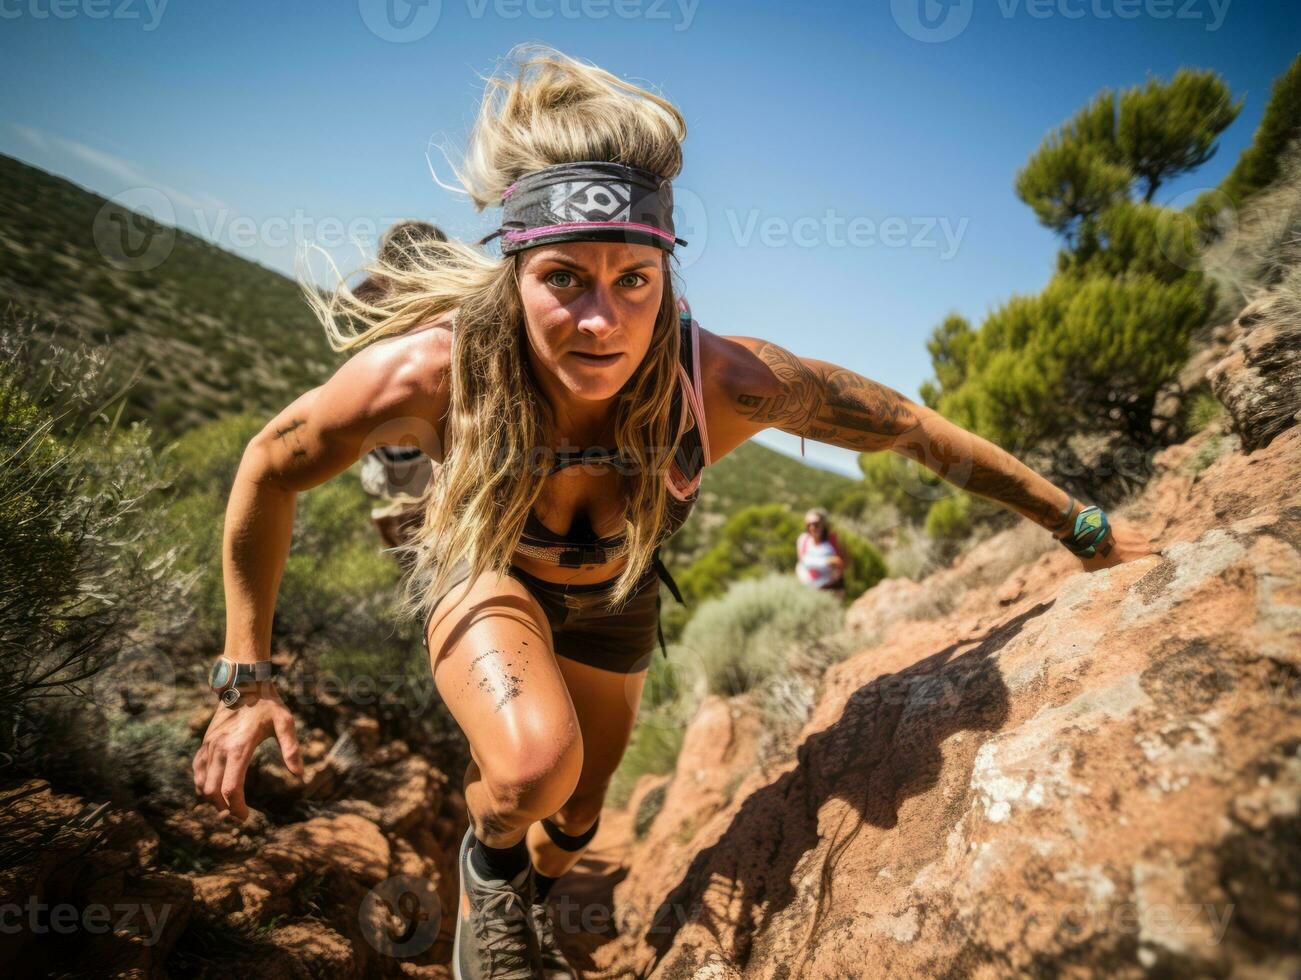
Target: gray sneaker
{"x":554,"y":964}
{"x":494,"y":934}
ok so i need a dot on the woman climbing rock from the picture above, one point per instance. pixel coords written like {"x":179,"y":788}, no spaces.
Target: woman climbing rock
{"x":573,"y":403}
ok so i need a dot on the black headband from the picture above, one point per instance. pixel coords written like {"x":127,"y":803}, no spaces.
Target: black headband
{"x":587,"y":201}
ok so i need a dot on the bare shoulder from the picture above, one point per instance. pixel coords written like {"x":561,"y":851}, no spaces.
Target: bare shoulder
{"x":733,"y":374}
{"x":392,"y":392}
{"x":413,"y":365}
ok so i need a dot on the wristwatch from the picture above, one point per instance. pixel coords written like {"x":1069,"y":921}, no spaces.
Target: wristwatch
{"x":227,"y":675}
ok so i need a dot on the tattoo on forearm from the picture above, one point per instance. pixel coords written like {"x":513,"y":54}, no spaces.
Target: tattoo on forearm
{"x":1010,"y":491}
{"x":832,"y":405}
{"x":841,"y":408}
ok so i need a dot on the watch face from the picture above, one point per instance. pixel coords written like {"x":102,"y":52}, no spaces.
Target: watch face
{"x":221,"y":673}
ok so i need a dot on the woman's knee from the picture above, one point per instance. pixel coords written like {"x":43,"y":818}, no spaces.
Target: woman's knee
{"x":581,"y":810}
{"x":534,"y":774}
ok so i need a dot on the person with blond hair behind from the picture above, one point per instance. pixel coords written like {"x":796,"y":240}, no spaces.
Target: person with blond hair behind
{"x":820,"y":561}
{"x":397,"y":475}
{"x":573,"y":404}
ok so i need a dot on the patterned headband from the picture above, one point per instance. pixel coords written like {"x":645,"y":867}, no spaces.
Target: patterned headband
{"x":587,"y":201}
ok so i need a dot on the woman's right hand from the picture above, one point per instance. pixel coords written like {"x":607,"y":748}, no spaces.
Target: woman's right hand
{"x":229,"y":743}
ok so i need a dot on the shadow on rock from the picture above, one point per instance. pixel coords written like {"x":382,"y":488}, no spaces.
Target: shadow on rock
{"x":884,"y":749}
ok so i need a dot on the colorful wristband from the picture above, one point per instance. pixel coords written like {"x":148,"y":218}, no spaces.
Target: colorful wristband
{"x":1091,"y":534}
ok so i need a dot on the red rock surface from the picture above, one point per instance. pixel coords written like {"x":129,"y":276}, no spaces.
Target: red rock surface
{"x":1044,"y":772}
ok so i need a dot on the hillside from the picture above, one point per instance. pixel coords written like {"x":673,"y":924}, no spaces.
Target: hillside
{"x":748,"y":476}
{"x":211,"y":333}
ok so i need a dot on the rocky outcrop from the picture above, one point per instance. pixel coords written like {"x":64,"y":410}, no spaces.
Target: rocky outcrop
{"x":79,"y":888}
{"x":1259,"y":380}
{"x":1026,"y":770}
{"x":345,"y":875}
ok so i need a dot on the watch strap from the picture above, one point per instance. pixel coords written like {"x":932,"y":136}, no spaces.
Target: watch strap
{"x":253,"y":673}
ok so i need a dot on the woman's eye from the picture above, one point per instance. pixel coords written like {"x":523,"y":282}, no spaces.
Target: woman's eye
{"x":636,"y":276}
{"x":561,"y":285}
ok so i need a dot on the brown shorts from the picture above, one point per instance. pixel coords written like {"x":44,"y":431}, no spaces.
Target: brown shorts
{"x":581,"y":627}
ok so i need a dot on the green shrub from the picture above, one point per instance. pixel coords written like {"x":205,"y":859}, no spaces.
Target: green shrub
{"x":337,"y":601}
{"x":866,"y":564}
{"x":84,"y":581}
{"x":753,"y":542}
{"x":653,"y":748}
{"x":739,"y":640}
{"x":949,"y":519}
{"x":1200,"y":411}
{"x":761,"y":540}
{"x":649,"y":808}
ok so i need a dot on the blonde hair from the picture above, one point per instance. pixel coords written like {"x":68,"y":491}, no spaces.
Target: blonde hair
{"x":555,"y":109}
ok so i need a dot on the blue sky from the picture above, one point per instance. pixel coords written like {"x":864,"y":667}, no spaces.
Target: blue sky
{"x":849,"y":166}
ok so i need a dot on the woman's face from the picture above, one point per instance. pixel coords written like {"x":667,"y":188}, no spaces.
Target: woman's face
{"x":589,"y":298}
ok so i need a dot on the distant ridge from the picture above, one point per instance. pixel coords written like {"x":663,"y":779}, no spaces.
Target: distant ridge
{"x":213,"y":333}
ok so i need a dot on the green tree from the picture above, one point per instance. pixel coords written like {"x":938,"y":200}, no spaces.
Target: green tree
{"x":1087,"y":353}
{"x":1169,"y":128}
{"x":1067,"y":182}
{"x":1135,"y":238}
{"x":949,"y":346}
{"x":1258,"y":167}
{"x":1150,"y":134}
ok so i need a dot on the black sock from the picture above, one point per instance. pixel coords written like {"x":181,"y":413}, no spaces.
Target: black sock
{"x":543,"y":884}
{"x":499,"y":862}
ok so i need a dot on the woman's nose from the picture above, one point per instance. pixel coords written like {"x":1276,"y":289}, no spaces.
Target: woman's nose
{"x":597,"y":316}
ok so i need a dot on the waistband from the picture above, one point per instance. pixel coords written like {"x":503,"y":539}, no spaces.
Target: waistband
{"x":586,"y":588}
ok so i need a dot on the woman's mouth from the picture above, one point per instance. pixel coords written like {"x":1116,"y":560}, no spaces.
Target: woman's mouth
{"x":596,"y":358}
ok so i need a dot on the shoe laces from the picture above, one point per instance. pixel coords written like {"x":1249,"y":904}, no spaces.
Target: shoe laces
{"x":505,"y":930}
{"x":542,"y":923}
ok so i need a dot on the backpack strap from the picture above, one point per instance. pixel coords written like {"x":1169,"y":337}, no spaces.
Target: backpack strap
{"x":667,"y":578}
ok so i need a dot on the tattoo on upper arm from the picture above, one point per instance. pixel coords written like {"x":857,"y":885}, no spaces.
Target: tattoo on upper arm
{"x":832,"y":405}
{"x":294,"y":442}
